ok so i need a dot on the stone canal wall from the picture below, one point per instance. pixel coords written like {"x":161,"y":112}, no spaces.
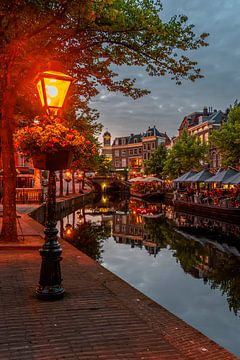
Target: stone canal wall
{"x":64,"y":206}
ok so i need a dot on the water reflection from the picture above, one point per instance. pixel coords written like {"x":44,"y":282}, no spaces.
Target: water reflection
{"x":151,"y":238}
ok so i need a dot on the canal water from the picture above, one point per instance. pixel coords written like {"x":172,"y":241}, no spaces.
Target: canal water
{"x":186,"y":263}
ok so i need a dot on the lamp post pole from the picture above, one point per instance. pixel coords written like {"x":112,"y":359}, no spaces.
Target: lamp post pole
{"x":52,"y":87}
{"x":50,"y":275}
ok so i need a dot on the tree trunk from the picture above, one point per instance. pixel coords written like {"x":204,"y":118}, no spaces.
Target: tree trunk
{"x":37,"y":179}
{"x":73,"y":183}
{"x":9,"y":226}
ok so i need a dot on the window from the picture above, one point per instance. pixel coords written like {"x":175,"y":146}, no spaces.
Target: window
{"x":135,"y":140}
{"x":117,"y":163}
{"x":124,"y":152}
{"x":153,"y":145}
{"x":124,"y":162}
{"x":135,"y":151}
{"x":144,"y":147}
{"x":145,"y":156}
{"x":116,"y":152}
{"x":131,"y":152}
{"x":139,"y":150}
{"x":123,"y":141}
{"x":148,"y":146}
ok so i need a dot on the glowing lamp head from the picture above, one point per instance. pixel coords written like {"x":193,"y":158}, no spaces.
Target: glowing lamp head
{"x":52,"y":87}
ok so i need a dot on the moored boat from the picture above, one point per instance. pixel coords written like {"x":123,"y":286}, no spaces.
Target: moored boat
{"x":148,"y":195}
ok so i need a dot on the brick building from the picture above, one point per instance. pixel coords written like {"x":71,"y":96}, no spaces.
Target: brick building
{"x":107,"y":147}
{"x":131,"y":151}
{"x":202,"y":124}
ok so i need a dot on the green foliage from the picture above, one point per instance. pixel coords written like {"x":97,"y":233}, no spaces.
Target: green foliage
{"x":103,"y":165}
{"x":186,"y":154}
{"x":227,"y":139}
{"x":155,"y":164}
{"x":89,"y":36}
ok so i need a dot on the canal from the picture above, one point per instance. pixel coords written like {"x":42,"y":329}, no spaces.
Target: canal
{"x":188,"y":264}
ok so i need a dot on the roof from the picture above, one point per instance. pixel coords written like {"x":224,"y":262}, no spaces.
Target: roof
{"x":234,"y":180}
{"x":134,"y":138}
{"x":153,"y":131}
{"x":184,"y":177}
{"x":222,"y":176}
{"x":200,"y":176}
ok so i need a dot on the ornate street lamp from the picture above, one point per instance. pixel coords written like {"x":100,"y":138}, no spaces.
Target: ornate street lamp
{"x":68,"y":178}
{"x":52,"y":87}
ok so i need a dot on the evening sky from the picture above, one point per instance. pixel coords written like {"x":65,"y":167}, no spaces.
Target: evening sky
{"x":168,"y":103}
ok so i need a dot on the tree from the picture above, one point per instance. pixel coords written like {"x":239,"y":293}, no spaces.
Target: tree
{"x":155,"y":165}
{"x":88,"y":36}
{"x":103,"y":165}
{"x":187,"y":153}
{"x":227,"y":139}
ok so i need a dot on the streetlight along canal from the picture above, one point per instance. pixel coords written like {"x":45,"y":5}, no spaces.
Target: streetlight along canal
{"x":188,"y":264}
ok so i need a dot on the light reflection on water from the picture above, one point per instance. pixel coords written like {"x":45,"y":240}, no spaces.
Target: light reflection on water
{"x":194,"y":272}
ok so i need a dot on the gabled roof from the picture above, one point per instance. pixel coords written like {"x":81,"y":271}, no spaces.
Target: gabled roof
{"x":217,"y":117}
{"x":134,"y":138}
{"x":154,"y":132}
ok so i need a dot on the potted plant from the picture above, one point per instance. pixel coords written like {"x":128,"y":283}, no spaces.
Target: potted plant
{"x":51,"y":145}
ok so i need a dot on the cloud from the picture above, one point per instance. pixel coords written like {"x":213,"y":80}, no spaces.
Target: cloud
{"x":168,"y":103}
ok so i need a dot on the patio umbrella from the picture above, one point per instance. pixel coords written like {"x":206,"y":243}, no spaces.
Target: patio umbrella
{"x":222,"y":176}
{"x":152,"y":178}
{"x":136,"y":179}
{"x":233,"y":180}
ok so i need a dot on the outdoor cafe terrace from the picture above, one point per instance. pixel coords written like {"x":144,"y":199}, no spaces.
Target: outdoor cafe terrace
{"x":221,"y":189}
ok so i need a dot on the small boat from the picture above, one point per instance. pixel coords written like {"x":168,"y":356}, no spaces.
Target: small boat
{"x":152,"y":216}
{"x":228,"y":214}
{"x":148,"y":195}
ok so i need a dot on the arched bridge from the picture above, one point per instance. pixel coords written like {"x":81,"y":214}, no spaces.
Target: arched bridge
{"x":109,"y":184}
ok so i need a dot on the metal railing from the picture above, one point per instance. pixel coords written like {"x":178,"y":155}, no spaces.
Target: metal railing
{"x":29,"y":195}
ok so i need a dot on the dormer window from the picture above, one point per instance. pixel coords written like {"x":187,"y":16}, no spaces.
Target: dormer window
{"x":135,"y":140}
{"x":149,"y":133}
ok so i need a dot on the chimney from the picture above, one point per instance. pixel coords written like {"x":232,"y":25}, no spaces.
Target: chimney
{"x":205,"y":111}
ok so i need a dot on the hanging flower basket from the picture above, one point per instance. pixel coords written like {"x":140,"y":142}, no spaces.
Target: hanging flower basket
{"x":59,"y":160}
{"x":50,"y":144}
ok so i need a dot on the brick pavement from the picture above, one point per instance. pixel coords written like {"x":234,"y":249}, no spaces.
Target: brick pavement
{"x":100,"y":318}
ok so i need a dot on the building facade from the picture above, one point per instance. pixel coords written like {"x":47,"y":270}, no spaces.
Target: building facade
{"x":107,"y":147}
{"x":130,"y":152}
{"x":202,"y":124}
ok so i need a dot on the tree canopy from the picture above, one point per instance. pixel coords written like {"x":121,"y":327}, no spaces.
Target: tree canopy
{"x":227,"y":139}
{"x":155,"y":165}
{"x":86,"y":37}
{"x":186,"y":154}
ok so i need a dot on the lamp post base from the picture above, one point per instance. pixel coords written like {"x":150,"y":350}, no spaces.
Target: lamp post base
{"x":50,"y":293}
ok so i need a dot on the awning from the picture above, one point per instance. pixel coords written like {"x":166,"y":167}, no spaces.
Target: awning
{"x":184,"y":177}
{"x":233,"y":180}
{"x":222,"y":176}
{"x":200,"y":177}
